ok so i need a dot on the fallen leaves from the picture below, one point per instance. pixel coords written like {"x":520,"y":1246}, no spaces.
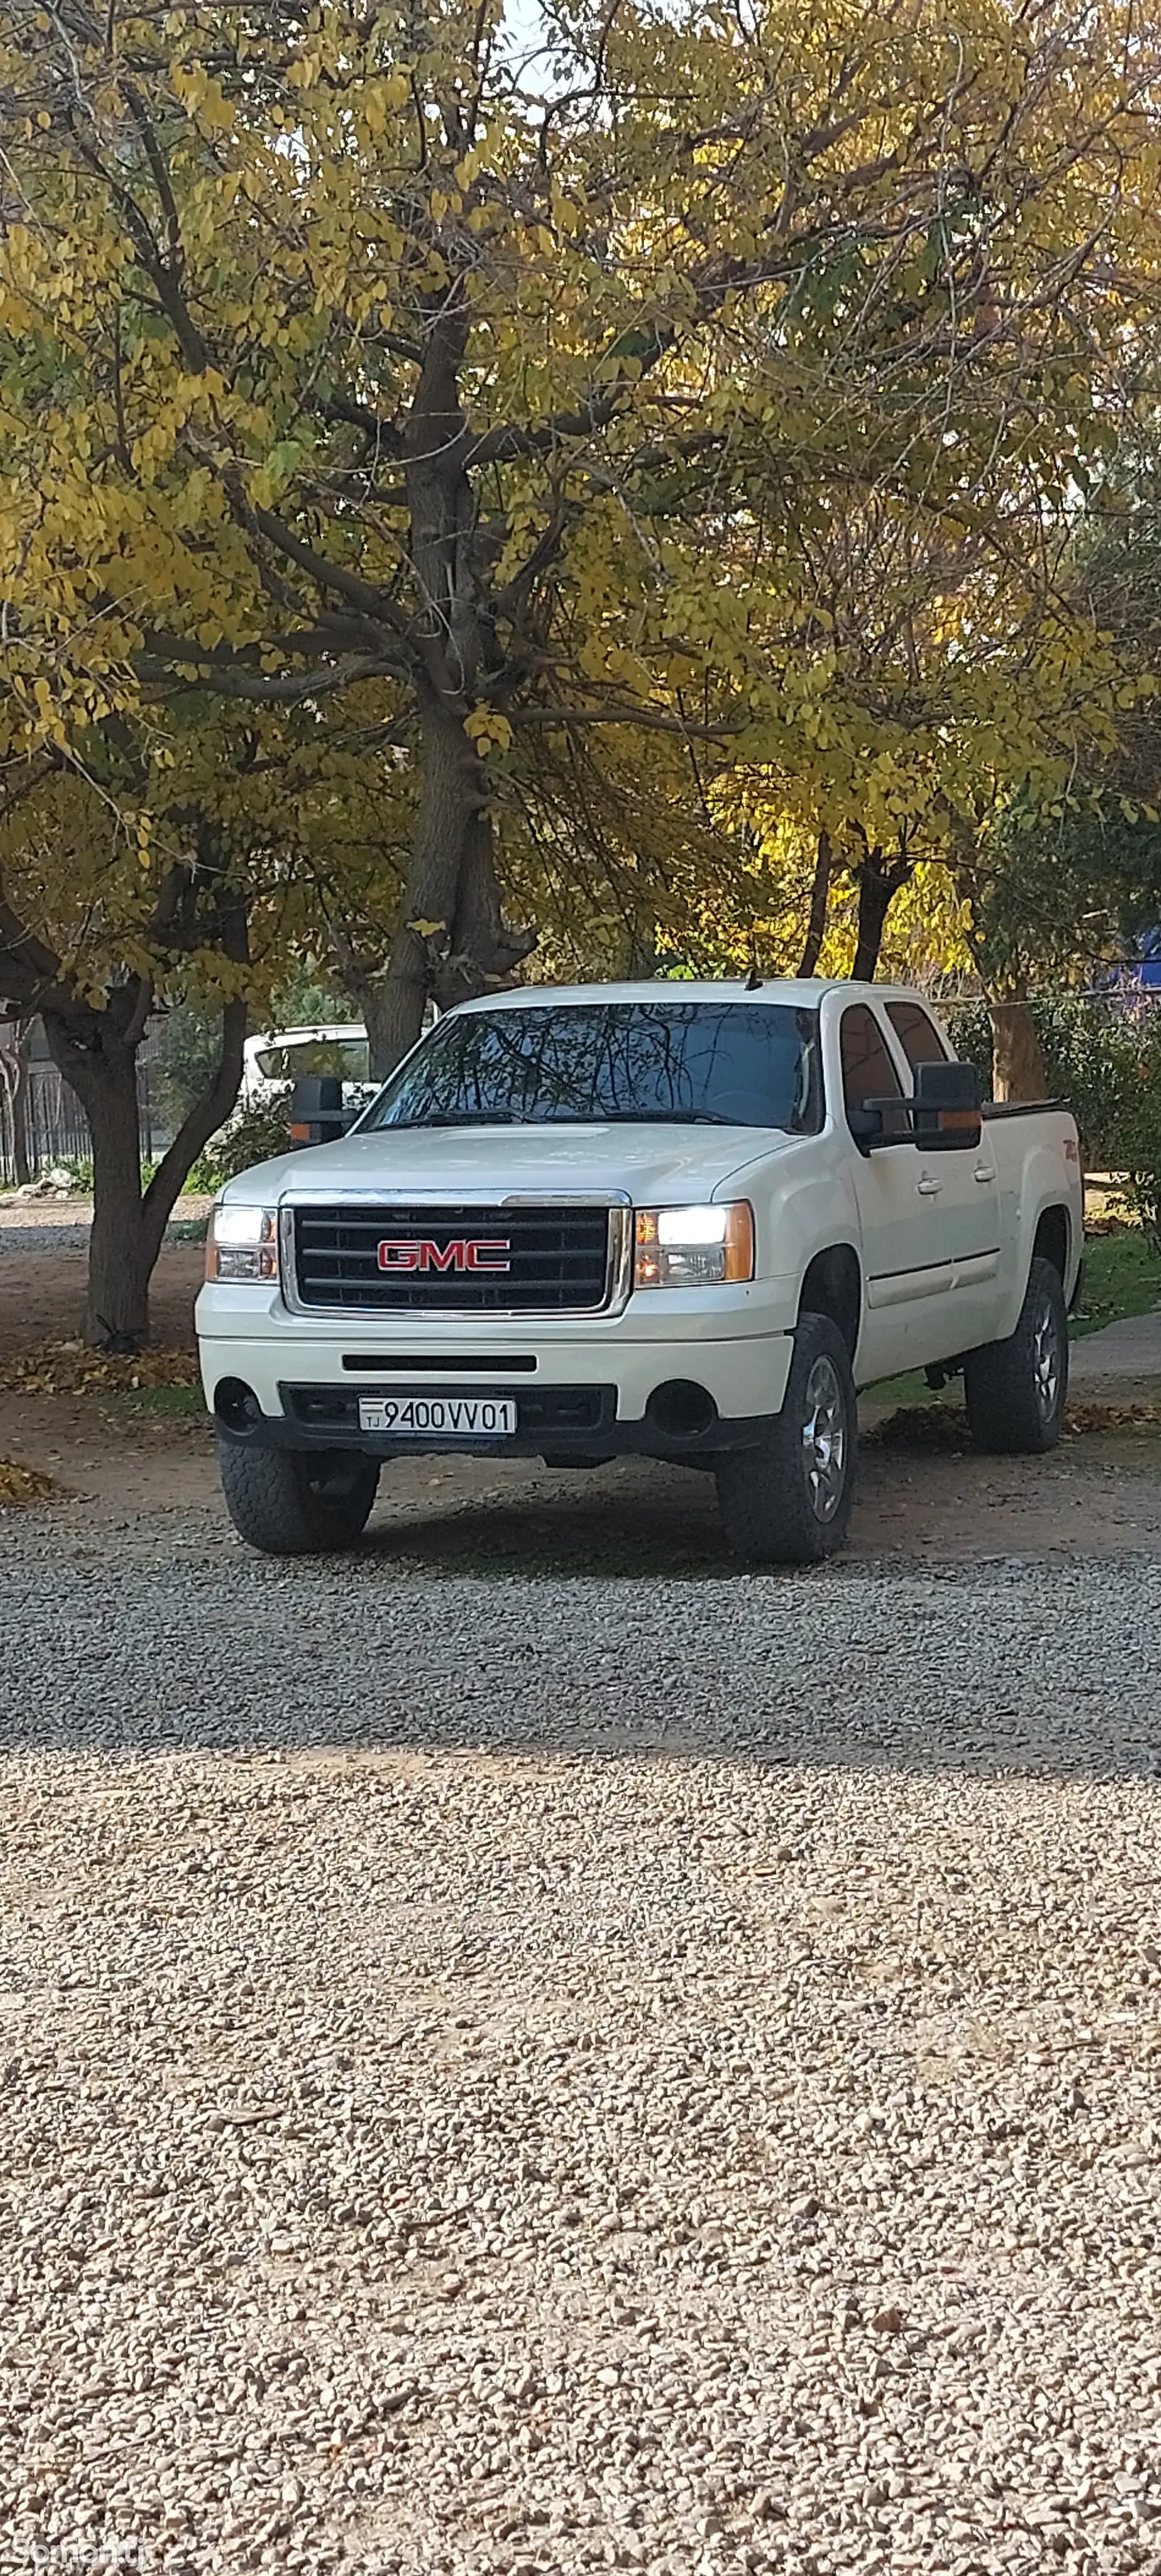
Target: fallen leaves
{"x":943,"y":1426}
{"x":1111,"y":1417}
{"x":67,"y":1368}
{"x":22,"y":1485}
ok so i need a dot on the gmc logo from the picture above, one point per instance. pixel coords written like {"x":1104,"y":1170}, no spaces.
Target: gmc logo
{"x":465,"y":1252}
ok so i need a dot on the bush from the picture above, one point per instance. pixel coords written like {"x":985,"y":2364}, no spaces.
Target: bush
{"x":1136,"y":1139}
{"x":252,"y":1136}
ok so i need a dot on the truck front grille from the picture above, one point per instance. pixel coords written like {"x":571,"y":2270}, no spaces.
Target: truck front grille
{"x":456,"y":1259}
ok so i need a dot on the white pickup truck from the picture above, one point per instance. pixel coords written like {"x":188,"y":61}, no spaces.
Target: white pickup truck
{"x":683,"y":1221}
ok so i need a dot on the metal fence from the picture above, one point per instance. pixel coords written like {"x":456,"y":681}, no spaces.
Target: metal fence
{"x":55,"y":1129}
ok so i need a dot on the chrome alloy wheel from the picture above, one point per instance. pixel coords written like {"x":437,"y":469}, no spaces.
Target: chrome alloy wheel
{"x":1046,"y":1361}
{"x":824,"y":1439}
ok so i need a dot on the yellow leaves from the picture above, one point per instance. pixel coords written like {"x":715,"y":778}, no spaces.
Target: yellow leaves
{"x":380,"y":101}
{"x":200,"y":95}
{"x":488,"y":730}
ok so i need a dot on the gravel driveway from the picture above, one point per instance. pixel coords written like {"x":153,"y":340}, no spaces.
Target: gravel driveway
{"x":550,"y":2073}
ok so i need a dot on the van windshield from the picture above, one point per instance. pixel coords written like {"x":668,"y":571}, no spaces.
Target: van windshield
{"x":745,"y":1064}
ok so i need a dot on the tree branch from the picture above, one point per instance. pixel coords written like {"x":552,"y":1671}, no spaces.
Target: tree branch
{"x":207,"y":1115}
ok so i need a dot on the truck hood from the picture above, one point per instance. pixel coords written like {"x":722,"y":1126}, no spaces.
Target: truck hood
{"x":654,"y":1165}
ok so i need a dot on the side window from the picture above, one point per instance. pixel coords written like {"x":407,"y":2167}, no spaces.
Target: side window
{"x":868,"y":1072}
{"x":917,"y":1035}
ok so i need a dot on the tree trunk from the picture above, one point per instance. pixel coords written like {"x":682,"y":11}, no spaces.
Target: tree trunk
{"x":1019,"y":1071}
{"x":641,"y":963}
{"x":874,"y":904}
{"x":819,"y":900}
{"x":96,"y":1051}
{"x":16,"y":1080}
{"x":208,"y":1114}
{"x":452,"y":941}
{"x":102,"y":1069}
{"x":878,"y":886}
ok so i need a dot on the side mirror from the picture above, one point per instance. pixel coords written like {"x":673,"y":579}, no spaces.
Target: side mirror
{"x":947,"y":1107}
{"x":317,"y":1114}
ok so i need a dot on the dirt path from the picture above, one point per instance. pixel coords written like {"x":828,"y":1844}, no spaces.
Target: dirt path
{"x":43,"y":1253}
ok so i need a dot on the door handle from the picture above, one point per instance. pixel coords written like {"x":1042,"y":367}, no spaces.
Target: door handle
{"x":929,"y":1189}
{"x":983,"y":1175}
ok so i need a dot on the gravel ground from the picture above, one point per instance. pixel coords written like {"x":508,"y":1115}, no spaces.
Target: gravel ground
{"x":42,"y":1234}
{"x":550,"y":2074}
{"x":63,"y":1225}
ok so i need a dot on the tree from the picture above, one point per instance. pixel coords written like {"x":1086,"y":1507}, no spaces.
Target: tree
{"x":108,"y":944}
{"x":351,"y":359}
{"x":1061,"y":883}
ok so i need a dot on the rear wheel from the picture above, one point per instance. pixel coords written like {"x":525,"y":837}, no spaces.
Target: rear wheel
{"x":290,"y":1502}
{"x":1016,"y":1391}
{"x":788,"y":1501}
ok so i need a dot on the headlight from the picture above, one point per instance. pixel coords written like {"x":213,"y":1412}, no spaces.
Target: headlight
{"x":694,"y":1247}
{"x":242,"y":1243}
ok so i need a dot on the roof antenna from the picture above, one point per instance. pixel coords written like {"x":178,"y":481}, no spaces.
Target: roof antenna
{"x":753,"y":979}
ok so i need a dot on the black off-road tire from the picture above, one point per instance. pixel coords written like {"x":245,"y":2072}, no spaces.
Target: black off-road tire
{"x":291,"y":1502}
{"x":1016,"y":1391}
{"x":788,"y":1501}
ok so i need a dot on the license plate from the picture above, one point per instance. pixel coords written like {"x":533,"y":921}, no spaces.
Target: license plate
{"x":414,"y":1417}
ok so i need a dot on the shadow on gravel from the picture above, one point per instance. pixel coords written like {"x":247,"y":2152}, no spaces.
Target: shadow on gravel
{"x":593,"y":1531}
{"x":497,"y":1630}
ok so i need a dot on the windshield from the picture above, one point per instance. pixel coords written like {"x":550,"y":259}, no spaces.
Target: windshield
{"x":747,"y":1064}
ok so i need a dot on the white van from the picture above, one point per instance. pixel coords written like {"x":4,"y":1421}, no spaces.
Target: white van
{"x":279,"y":1056}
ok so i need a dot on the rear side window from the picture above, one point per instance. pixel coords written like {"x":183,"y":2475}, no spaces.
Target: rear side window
{"x":868,"y":1072}
{"x":917,"y":1035}
{"x":349,"y":1058}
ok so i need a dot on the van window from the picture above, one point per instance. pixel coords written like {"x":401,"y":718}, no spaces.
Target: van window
{"x":349,"y":1058}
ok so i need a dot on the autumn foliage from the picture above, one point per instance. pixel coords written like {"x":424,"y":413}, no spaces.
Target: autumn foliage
{"x":629,"y":487}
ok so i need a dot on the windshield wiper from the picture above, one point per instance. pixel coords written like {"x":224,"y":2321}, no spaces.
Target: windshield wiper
{"x":664,"y":1118}
{"x":456,"y":1118}
{"x":564,"y":1118}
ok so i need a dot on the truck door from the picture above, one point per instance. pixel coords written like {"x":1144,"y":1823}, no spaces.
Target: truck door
{"x":962,"y":1193}
{"x":906,"y":1266}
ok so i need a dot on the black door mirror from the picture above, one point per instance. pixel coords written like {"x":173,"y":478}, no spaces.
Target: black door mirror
{"x":317,"y":1115}
{"x":947,"y":1107}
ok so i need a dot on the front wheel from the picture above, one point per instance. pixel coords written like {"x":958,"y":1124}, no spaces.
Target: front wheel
{"x":788,"y":1501}
{"x":1016,"y":1391}
{"x":291,"y":1502}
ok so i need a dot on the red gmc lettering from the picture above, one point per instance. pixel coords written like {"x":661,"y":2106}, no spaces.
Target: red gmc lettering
{"x":464,"y":1252}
